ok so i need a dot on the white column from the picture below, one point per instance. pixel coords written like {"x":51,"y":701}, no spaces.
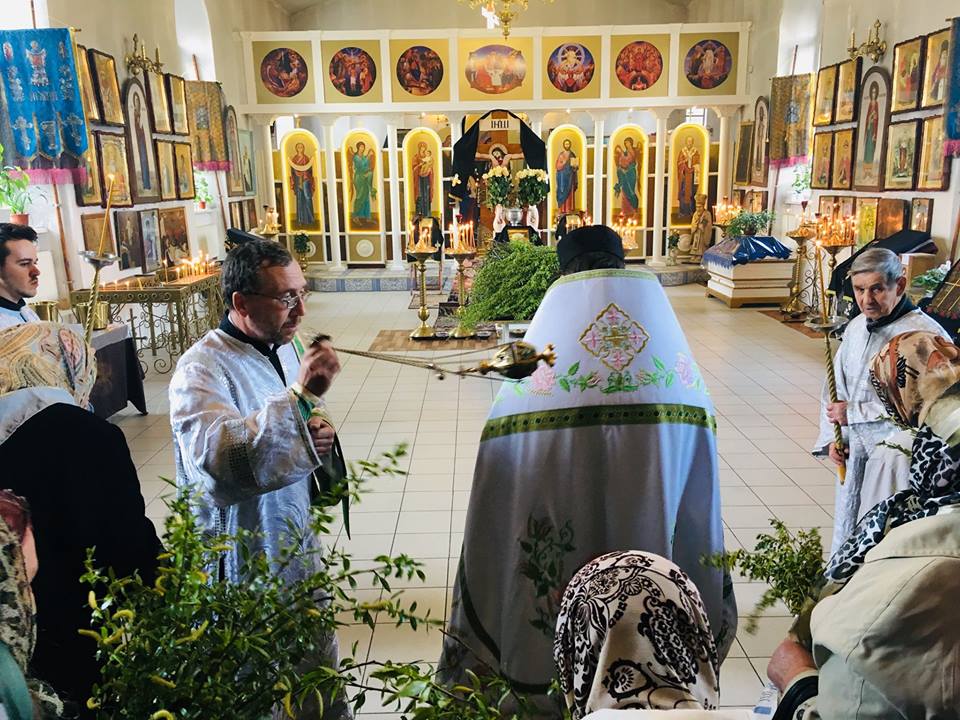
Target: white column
{"x":598,"y":171}
{"x":723,"y":164}
{"x":393,"y":153}
{"x":333,"y":202}
{"x":658,"y":177}
{"x":265,"y":153}
{"x":455,"y":131}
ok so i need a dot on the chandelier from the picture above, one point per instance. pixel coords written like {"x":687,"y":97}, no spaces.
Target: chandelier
{"x":500,"y":13}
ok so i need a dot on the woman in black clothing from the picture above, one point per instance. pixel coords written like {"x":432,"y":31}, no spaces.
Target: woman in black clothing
{"x":76,"y":472}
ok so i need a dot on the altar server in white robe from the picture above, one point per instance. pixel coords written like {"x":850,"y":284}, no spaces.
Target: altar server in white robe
{"x":612,"y":449}
{"x":19,"y":274}
{"x":878,"y":286}
{"x":241,"y":440}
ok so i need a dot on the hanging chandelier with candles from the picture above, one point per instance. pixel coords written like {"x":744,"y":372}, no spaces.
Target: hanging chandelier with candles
{"x":500,"y":13}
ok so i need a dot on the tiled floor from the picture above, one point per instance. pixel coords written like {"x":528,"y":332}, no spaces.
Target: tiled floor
{"x":764,"y":378}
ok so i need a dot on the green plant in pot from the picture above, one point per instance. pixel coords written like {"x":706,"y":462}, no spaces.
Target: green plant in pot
{"x":203,"y":195}
{"x":750,"y":224}
{"x":15,"y":192}
{"x":301,"y":246}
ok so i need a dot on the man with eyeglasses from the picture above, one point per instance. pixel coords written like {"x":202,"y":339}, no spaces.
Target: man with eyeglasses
{"x":246,"y":408}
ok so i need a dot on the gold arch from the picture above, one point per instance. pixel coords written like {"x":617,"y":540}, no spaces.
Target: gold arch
{"x":614,"y":208}
{"x":410,"y":144}
{"x":701,"y":143}
{"x":288,"y":150}
{"x":579,"y":145}
{"x":372,"y":145}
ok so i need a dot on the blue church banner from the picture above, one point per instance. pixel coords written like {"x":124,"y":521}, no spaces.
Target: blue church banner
{"x":38,"y":72}
{"x":952,"y":102}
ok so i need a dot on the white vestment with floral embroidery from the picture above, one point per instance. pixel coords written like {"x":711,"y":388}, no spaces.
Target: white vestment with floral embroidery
{"x":614,"y":448}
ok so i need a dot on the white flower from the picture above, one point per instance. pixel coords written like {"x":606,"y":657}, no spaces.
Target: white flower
{"x":455,"y":181}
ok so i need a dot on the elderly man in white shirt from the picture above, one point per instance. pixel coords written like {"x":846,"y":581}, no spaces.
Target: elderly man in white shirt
{"x":878,"y":285}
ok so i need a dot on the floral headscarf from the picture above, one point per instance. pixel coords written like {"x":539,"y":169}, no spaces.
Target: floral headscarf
{"x":902,"y":367}
{"x":633,"y":633}
{"x":44,"y":354}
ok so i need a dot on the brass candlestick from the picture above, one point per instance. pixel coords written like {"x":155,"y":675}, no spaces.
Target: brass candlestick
{"x":424,"y":331}
{"x":795,"y":307}
{"x":461,"y":255}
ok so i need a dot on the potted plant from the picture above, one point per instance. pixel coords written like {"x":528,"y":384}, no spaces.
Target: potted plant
{"x":203,"y":195}
{"x":749,"y":266}
{"x":673,"y":248}
{"x":301,"y":246}
{"x":15,"y":192}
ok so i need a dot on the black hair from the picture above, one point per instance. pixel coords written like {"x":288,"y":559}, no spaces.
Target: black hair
{"x":10,"y":231}
{"x":241,"y":269}
{"x":594,"y":260}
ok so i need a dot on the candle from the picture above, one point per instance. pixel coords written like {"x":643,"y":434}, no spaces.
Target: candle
{"x":106,"y":216}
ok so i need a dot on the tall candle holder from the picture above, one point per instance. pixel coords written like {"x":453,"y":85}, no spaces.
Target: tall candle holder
{"x":99,"y":260}
{"x":464,"y":248}
{"x":422,"y":251}
{"x":835,"y":232}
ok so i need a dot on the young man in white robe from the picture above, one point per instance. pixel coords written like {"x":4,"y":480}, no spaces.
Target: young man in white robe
{"x":878,"y":286}
{"x":612,"y":449}
{"x":240,"y":439}
{"x":19,"y":274}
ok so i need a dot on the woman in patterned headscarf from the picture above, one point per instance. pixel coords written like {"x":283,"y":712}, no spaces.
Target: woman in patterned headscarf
{"x":909,"y":367}
{"x":20,"y":697}
{"x":75,"y":471}
{"x":633,"y":633}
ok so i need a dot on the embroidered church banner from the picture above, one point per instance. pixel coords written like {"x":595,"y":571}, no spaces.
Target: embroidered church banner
{"x":791,"y":112}
{"x":205,"y":111}
{"x":43,"y":107}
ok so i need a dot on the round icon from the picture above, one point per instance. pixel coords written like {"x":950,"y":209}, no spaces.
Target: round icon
{"x":639,"y":65}
{"x":495,"y":69}
{"x":708,"y":63}
{"x":419,"y":70}
{"x":365,"y":248}
{"x":353,"y":71}
{"x":283,"y":72}
{"x":570,"y":67}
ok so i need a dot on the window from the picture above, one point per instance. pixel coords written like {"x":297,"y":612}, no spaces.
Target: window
{"x":697,"y":115}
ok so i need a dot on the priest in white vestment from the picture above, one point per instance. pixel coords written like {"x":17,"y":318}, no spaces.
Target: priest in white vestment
{"x":614,"y":448}
{"x":240,"y":437}
{"x":878,"y":286}
{"x":19,"y":274}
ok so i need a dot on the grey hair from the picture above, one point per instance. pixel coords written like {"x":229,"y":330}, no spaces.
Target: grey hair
{"x":241,"y":269}
{"x":879,"y":260}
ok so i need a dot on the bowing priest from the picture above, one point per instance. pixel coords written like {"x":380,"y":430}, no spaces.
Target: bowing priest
{"x":19,"y":274}
{"x":613,"y":449}
{"x":886,"y":311}
{"x":241,"y":440}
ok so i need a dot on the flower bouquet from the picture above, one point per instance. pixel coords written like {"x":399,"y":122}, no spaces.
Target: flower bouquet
{"x":498,"y":186}
{"x":532,"y":186}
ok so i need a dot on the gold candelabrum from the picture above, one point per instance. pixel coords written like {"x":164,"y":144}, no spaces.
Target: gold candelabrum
{"x":99,"y":260}
{"x":724,"y":212}
{"x":464,"y":248}
{"x":627,"y":229}
{"x":138,"y":61}
{"x":834,"y":232}
{"x":422,"y":250}
{"x":504,"y":11}
{"x":874,"y":48}
{"x":796,"y":307}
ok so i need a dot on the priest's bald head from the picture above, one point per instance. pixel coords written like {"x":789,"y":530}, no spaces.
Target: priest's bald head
{"x":878,"y":282}
{"x":595,"y":247}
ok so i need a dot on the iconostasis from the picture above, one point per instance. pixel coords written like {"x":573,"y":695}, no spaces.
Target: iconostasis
{"x":323,"y":72}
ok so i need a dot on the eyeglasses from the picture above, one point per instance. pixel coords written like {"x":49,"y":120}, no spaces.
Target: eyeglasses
{"x":290,"y":300}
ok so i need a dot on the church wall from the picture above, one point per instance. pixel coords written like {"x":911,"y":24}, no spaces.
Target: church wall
{"x":424,"y":14}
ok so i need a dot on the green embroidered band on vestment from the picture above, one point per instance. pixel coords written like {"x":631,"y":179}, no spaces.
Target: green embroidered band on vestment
{"x":646,"y":414}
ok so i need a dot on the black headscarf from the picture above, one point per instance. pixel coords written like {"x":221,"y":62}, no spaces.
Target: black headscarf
{"x":592,"y":238}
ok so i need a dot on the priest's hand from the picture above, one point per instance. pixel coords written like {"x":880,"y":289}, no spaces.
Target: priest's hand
{"x":837,"y":412}
{"x":318,"y":367}
{"x":789,"y":660}
{"x":321,"y":434}
{"x":837,"y":458}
